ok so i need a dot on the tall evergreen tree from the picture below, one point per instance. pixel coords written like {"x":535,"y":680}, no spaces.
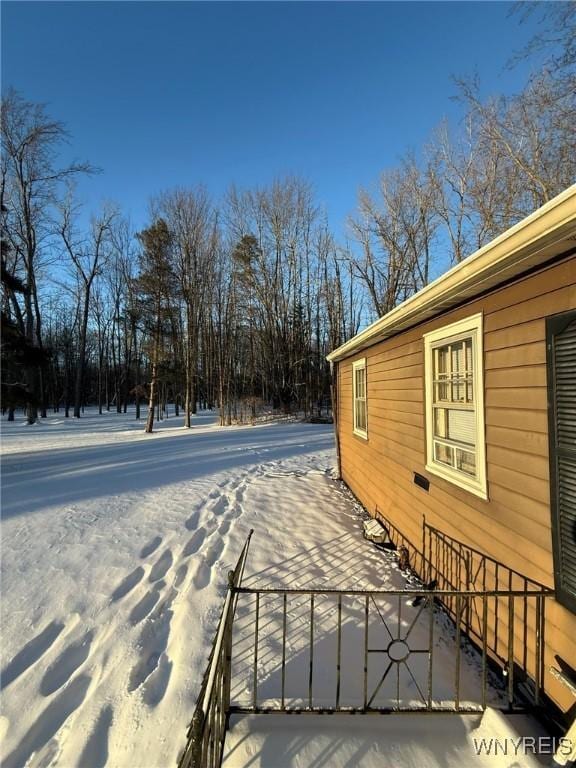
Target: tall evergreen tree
{"x":155,"y":287}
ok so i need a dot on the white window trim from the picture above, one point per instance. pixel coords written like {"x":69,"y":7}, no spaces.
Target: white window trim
{"x":468,"y":326}
{"x":359,"y":365}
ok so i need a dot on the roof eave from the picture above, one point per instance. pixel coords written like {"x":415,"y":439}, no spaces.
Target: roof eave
{"x":532,"y":242}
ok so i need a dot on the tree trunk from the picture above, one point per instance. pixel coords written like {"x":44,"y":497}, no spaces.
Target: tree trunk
{"x":187,"y":405}
{"x":81,"y":355}
{"x":151,"y":401}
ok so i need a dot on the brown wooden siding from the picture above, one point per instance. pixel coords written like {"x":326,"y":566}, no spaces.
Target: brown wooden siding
{"x":514,"y":525}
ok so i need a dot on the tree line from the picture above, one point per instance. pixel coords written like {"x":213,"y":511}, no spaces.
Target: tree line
{"x":235,"y":303}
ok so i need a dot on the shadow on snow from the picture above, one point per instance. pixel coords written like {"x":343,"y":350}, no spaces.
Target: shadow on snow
{"x":35,"y":480}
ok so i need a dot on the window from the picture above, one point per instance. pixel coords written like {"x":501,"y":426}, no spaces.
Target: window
{"x":359,"y":396}
{"x":455,"y":446}
{"x":561,"y":370}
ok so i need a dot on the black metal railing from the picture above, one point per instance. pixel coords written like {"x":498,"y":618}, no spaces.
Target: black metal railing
{"x":452,"y":565}
{"x":207,"y":730}
{"x":470,"y":637}
{"x":361,"y":651}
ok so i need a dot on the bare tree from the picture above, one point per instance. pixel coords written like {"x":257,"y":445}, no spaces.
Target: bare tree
{"x":87,"y":256}
{"x":555,"y":38}
{"x":190,"y":218}
{"x":30,"y":185}
{"x":395,"y":232}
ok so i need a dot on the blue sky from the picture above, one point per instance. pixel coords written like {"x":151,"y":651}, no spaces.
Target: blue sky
{"x":178,"y":93}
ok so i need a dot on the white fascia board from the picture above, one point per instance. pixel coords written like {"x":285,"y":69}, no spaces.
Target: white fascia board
{"x":536,"y":239}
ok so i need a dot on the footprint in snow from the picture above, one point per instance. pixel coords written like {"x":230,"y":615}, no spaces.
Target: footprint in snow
{"x":210,"y":526}
{"x":192,"y":522}
{"x":235,"y":512}
{"x":220,"y":505}
{"x":156,"y":685}
{"x":61,"y":670}
{"x":180,"y":576}
{"x":195,"y":542}
{"x":143,"y":608}
{"x":127,"y":584}
{"x":224,"y":527}
{"x":214,"y":551}
{"x":153,"y":642}
{"x":152,"y":546}
{"x":49,"y":722}
{"x":95,"y":753}
{"x":202,"y":576}
{"x":161,"y":566}
{"x":48,"y":754}
{"x":32,"y":651}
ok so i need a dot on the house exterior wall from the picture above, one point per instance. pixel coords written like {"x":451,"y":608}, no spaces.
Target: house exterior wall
{"x":514,"y":524}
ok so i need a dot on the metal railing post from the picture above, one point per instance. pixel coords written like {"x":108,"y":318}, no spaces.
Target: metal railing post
{"x":256,"y":627}
{"x":196,"y":738}
{"x":510,"y":669}
{"x":227,"y":672}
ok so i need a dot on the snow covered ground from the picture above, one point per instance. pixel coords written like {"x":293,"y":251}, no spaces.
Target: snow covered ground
{"x":390,"y":741}
{"x":115,"y":550}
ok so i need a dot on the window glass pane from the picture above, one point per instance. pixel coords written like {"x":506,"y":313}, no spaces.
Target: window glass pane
{"x":360,"y":416}
{"x":360,"y":409}
{"x":444,"y":454}
{"x":457,"y":357}
{"x":466,"y":462}
{"x":441,"y":361}
{"x":441,"y":394}
{"x":462,"y":426}
{"x":458,"y":391}
{"x":469,"y":364}
{"x":453,"y":424}
{"x":360,"y":382}
{"x":440,"y":422}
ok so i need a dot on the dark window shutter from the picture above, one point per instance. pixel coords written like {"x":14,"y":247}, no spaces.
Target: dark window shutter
{"x":561,"y":359}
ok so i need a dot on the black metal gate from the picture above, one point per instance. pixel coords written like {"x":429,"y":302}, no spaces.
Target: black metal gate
{"x":441,"y":649}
